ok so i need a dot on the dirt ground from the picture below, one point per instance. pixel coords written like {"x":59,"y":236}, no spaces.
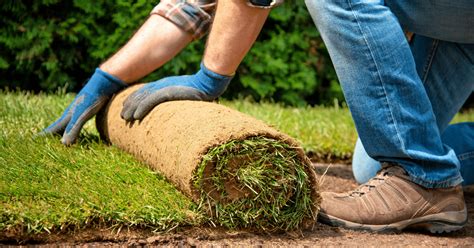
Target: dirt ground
{"x":339,"y":178}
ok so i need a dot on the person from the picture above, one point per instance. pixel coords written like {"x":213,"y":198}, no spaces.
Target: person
{"x":399,"y":114}
{"x":179,"y":22}
{"x":171,"y":26}
{"x":402,"y":97}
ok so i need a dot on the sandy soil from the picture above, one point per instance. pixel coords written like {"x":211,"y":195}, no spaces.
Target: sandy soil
{"x":339,"y":178}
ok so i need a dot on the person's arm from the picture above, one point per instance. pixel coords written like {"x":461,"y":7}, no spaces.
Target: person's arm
{"x":156,"y":42}
{"x":171,"y":26}
{"x":235,"y":28}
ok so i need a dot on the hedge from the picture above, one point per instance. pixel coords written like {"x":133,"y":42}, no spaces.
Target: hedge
{"x":47,"y":45}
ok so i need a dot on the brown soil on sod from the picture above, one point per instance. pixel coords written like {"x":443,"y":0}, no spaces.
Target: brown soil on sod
{"x":339,"y":178}
{"x":175,"y":136}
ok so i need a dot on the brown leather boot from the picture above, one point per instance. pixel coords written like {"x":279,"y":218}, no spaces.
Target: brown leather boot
{"x":391,"y":202}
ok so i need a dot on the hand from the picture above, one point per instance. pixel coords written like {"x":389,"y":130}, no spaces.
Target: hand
{"x":87,"y":103}
{"x":205,"y":85}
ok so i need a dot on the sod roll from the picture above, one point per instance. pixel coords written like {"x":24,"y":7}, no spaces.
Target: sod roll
{"x":239,"y":171}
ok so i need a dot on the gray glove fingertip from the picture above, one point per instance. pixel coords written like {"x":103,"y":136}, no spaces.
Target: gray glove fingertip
{"x":129,"y":100}
{"x":166,"y":94}
{"x":151,"y":101}
{"x":131,"y":104}
{"x":171,"y":93}
{"x":143,"y":109}
{"x":127,"y":112}
{"x":78,"y":119}
{"x":75,"y":128}
{"x":70,"y":137}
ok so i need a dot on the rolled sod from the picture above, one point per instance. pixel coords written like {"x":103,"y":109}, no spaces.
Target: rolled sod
{"x":238,"y":170}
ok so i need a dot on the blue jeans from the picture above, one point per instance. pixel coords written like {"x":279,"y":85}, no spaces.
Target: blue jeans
{"x":459,"y":136}
{"x":402,"y":96}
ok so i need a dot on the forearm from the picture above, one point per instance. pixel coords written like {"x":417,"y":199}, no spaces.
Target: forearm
{"x":154,"y":44}
{"x":235,"y":29}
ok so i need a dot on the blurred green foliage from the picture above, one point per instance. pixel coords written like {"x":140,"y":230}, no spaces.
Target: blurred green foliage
{"x":47,"y":45}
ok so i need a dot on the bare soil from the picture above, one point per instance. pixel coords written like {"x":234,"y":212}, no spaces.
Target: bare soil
{"x":339,"y":178}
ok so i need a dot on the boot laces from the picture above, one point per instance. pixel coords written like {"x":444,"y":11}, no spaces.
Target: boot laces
{"x":371,"y":184}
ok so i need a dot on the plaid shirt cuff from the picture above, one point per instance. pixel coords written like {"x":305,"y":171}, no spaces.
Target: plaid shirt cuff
{"x":192,"y":16}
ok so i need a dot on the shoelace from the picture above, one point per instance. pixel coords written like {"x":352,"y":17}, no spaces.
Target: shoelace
{"x":371,"y":184}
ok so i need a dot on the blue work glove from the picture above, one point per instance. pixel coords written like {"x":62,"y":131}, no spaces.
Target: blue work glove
{"x":88,"y":102}
{"x":205,"y":85}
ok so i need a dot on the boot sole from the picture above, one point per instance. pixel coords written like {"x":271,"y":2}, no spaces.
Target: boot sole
{"x":436,"y":223}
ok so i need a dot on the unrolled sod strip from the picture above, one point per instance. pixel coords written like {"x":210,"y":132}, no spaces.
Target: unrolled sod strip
{"x":240,"y":171}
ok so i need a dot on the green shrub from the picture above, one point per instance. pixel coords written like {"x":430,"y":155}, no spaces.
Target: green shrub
{"x":51,"y":44}
{"x":289,"y":63}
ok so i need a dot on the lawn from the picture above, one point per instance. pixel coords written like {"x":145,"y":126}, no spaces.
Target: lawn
{"x":46,"y":187}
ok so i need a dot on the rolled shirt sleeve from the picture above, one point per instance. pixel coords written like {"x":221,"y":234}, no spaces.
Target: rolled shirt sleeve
{"x":192,"y":16}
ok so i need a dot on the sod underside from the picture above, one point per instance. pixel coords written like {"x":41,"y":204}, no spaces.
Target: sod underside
{"x":242,"y":172}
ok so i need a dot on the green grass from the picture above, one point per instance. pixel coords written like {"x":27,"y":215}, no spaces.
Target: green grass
{"x":46,"y":187}
{"x":324,"y":132}
{"x":268,"y":190}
